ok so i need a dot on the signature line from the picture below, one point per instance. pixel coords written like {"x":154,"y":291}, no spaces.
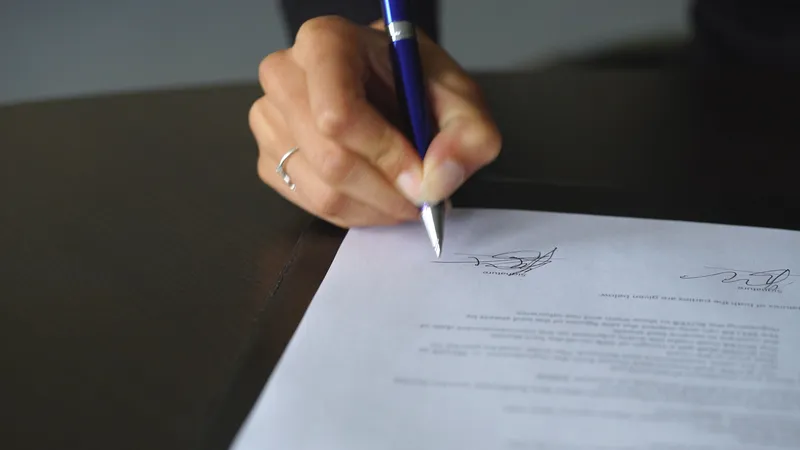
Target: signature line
{"x":516,"y":262}
{"x":753,"y":278}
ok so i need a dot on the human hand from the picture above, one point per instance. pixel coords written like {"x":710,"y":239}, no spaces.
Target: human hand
{"x":332,"y":96}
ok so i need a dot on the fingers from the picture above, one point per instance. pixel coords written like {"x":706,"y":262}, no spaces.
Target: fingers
{"x":332,"y":162}
{"x":354,"y":167}
{"x":468,"y":138}
{"x":311,"y":193}
{"x":463,"y":146}
{"x":333,"y":54}
{"x":338,"y":57}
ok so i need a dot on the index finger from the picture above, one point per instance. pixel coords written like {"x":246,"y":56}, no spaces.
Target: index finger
{"x":333,"y":54}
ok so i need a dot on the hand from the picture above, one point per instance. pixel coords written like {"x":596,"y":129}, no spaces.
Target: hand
{"x":332,"y":95}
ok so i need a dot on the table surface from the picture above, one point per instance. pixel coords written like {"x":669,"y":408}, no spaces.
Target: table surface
{"x":150,"y":280}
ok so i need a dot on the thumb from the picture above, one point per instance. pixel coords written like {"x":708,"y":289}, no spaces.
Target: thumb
{"x":464,"y":145}
{"x":468,"y":138}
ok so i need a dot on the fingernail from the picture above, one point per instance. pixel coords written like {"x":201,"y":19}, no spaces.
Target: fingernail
{"x":410,"y":183}
{"x":442,"y":180}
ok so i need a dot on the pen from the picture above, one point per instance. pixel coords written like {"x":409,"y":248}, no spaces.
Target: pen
{"x":413,"y":100}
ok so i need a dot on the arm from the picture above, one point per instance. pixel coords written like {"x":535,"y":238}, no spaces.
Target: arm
{"x":364,"y":12}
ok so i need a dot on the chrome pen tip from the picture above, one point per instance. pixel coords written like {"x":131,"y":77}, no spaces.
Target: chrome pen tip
{"x":433,"y":219}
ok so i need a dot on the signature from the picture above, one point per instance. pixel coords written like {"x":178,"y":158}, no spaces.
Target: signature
{"x":766,"y":279}
{"x":511,"y":263}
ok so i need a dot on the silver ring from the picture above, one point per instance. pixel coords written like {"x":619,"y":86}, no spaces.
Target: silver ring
{"x":282,"y":172}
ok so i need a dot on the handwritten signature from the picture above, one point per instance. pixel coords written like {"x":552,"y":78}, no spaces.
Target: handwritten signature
{"x":768,"y":279}
{"x":512,"y":263}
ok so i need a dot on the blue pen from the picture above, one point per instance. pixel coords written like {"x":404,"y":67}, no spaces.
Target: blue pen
{"x":413,"y":100}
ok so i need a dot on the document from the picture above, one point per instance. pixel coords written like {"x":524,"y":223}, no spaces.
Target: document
{"x":545,"y":331}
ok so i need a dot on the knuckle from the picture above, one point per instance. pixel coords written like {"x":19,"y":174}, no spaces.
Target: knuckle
{"x":391,"y":158}
{"x":330,"y":203}
{"x":491,"y":142}
{"x":336,"y":166}
{"x":269,"y":71}
{"x":261,"y":127}
{"x":319,"y":26}
{"x":333,"y":121}
{"x":317,"y":36}
{"x":254,"y":116}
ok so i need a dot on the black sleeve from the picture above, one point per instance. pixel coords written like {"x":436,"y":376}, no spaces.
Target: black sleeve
{"x":763,"y":33}
{"x":296,"y":12}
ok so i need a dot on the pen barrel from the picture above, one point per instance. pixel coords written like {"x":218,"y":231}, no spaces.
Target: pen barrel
{"x":411,"y":94}
{"x":396,"y":11}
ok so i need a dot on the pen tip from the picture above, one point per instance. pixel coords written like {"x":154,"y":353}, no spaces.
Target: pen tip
{"x":433,"y":219}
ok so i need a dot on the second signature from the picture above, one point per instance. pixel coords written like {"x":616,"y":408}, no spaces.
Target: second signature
{"x":764,"y":279}
{"x":511,"y":263}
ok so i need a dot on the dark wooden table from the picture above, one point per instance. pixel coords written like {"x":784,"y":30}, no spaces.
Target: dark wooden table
{"x":150,"y":281}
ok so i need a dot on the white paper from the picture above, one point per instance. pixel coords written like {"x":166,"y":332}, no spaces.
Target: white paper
{"x":619,"y":337}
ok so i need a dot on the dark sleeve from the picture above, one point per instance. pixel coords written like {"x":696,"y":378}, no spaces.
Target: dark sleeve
{"x":763,"y":33}
{"x":297,"y":12}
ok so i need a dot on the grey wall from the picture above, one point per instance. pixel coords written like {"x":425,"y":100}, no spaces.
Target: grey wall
{"x":60,"y":48}
{"x":496,"y":34}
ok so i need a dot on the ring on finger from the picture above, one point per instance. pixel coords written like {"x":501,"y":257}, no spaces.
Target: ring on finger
{"x":282,"y":171}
